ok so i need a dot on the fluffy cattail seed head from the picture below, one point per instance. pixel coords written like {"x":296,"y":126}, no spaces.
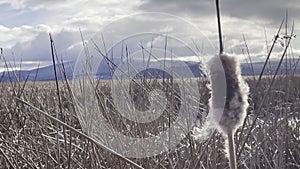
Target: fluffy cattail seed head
{"x":228,"y":105}
{"x":229,"y":97}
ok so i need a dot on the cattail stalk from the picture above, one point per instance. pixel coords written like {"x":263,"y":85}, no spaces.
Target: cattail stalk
{"x":232,"y":153}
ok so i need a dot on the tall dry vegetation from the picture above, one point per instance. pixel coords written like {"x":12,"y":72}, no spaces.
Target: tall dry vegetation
{"x":29,"y":140}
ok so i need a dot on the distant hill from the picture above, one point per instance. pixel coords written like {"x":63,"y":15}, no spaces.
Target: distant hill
{"x":270,"y":68}
{"x":104,"y":72}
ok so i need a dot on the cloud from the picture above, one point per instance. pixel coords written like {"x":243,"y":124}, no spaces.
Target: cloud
{"x":238,"y":17}
{"x":67,"y":13}
{"x":24,"y":33}
{"x":22,"y":65}
{"x":179,"y":7}
{"x":83,"y":7}
{"x":267,"y":10}
{"x":26,"y":24}
{"x":36,"y":4}
{"x":39,"y":47}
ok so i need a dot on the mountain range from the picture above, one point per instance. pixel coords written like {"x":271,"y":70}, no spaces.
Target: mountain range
{"x":105,"y":71}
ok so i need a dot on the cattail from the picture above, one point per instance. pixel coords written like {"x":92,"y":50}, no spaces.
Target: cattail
{"x":228,"y":102}
{"x":236,"y":100}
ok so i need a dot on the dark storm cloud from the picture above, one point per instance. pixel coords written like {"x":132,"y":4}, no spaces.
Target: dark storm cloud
{"x":189,"y":7}
{"x":249,"y":17}
{"x":271,"y":11}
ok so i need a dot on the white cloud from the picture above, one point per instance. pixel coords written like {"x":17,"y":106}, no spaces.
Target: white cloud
{"x":24,"y":33}
{"x":37,"y":4}
{"x":38,"y":48}
{"x":22,"y":65}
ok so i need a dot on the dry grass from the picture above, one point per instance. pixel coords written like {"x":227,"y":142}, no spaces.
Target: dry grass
{"x":30,"y":141}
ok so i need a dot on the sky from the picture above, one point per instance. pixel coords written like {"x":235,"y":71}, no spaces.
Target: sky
{"x":25,"y":25}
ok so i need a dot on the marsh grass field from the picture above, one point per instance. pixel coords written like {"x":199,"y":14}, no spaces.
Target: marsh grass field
{"x":270,"y":137}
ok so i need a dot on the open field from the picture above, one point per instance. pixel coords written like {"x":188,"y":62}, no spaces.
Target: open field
{"x":115,"y":85}
{"x":30,"y":140}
